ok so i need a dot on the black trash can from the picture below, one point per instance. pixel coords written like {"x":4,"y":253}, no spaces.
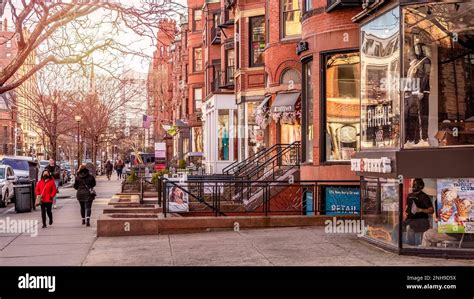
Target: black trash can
{"x":23,"y":196}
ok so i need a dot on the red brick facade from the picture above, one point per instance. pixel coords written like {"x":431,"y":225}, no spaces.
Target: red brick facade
{"x":326,"y":32}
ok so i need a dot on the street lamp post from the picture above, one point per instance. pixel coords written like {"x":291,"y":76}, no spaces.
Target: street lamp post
{"x":78,"y":119}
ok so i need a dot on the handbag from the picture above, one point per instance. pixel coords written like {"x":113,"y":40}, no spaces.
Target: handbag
{"x":39,"y":198}
{"x":92,"y":192}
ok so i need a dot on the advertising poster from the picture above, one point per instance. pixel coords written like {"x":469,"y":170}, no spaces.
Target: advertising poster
{"x":455,"y":205}
{"x":178,"y":199}
{"x":342,"y":200}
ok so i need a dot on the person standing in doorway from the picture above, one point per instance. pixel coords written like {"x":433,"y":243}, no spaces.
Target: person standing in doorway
{"x":119,"y":165}
{"x":55,"y":172}
{"x":84,"y":184}
{"x":46,"y":188}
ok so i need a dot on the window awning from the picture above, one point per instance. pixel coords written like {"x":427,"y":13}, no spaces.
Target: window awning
{"x":262,"y":104}
{"x":285,"y":102}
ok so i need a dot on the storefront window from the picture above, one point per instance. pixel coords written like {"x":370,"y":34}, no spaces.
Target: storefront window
{"x":223,"y":135}
{"x":197,"y":145}
{"x":438,"y":213}
{"x":438,"y":89}
{"x":342,"y":105}
{"x":380,"y":209}
{"x":308,"y":104}
{"x":257,"y":40}
{"x":256,"y":138}
{"x":380,"y":73}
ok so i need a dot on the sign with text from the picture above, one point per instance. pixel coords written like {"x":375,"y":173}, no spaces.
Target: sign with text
{"x":382,"y":165}
{"x":455,"y":205}
{"x":342,"y":200}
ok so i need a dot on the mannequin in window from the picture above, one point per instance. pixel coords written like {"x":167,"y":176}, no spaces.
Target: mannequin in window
{"x":417,"y":97}
{"x":225,"y":145}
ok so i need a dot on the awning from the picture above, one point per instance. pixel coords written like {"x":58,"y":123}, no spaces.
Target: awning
{"x":262,"y":104}
{"x":180,"y":123}
{"x":285,"y":102}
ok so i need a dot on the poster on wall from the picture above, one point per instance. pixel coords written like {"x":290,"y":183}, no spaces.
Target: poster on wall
{"x":178,"y":199}
{"x":342,"y":200}
{"x":455,"y":205}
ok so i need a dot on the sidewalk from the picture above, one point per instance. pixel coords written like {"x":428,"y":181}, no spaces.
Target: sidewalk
{"x":67,"y":242}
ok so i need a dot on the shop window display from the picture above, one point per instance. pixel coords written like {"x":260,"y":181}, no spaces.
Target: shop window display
{"x":439,"y":72}
{"x":223,"y":135}
{"x":380,"y":70}
{"x":380,"y":209}
{"x":342,"y":105}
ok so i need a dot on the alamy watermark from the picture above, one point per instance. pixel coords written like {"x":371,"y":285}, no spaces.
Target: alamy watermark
{"x":19,"y":226}
{"x":345,"y":226}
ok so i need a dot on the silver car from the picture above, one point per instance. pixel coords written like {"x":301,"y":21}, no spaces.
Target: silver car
{"x":7,"y":178}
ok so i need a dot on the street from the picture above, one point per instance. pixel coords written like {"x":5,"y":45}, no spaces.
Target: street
{"x":68,"y":243}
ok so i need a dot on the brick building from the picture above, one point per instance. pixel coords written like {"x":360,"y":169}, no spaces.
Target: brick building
{"x":330,"y":64}
{"x":8,"y":100}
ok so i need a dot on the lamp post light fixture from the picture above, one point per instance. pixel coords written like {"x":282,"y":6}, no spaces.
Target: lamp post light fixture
{"x":78,"y":119}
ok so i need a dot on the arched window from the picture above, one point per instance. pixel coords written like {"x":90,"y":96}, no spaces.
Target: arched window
{"x":290,"y":76}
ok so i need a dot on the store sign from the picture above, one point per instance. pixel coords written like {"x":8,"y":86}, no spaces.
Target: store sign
{"x":455,"y":205}
{"x":278,"y":109}
{"x":301,"y":47}
{"x":382,"y":165}
{"x":342,"y":200}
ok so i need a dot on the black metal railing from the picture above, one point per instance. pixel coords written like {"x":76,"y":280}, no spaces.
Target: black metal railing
{"x":216,"y":197}
{"x":215,"y":35}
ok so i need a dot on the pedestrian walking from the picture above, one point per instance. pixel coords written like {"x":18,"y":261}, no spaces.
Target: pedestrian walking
{"x":119,"y":165}
{"x":84,"y":184}
{"x":45,"y":192}
{"x":108,"y":169}
{"x":55,"y":173}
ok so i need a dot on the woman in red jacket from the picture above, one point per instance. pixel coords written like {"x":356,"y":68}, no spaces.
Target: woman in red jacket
{"x":47,"y":188}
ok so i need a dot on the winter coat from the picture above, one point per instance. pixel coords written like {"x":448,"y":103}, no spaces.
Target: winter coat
{"x":83,"y":182}
{"x":47,"y":189}
{"x":54,"y":171}
{"x":109,"y":166}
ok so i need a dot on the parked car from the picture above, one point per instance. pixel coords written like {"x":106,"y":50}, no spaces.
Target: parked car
{"x":7,"y":178}
{"x":25,"y":168}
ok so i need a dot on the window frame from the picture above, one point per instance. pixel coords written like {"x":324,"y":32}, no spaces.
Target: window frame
{"x":323,"y":107}
{"x":304,"y":116}
{"x":195,"y":109}
{"x":195,"y":21}
{"x":283,"y":34}
{"x":195,"y":60}
{"x":251,"y":41}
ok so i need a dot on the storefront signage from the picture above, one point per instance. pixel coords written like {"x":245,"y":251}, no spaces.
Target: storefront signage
{"x":455,"y":205}
{"x":301,"y":47}
{"x":382,"y":165}
{"x":278,"y":109}
{"x":379,"y":116}
{"x":342,"y":200}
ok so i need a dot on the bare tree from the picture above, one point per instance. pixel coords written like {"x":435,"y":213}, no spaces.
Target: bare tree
{"x":54,"y":29}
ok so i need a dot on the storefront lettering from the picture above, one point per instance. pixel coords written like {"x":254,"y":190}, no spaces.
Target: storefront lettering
{"x":283,"y":109}
{"x":382,"y":165}
{"x":379,"y":116}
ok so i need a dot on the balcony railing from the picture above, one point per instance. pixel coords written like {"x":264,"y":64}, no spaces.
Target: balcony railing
{"x":215,"y":36}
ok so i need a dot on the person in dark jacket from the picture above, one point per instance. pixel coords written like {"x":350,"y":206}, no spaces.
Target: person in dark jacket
{"x":47,"y":189}
{"x":55,"y":173}
{"x":109,"y":167}
{"x":83,"y":183}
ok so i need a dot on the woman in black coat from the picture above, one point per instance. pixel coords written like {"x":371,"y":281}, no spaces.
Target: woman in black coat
{"x":84,"y":184}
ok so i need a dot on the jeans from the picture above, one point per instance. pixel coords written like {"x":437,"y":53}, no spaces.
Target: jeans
{"x":86,"y":209}
{"x":46,"y":208}
{"x":119,"y":173}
